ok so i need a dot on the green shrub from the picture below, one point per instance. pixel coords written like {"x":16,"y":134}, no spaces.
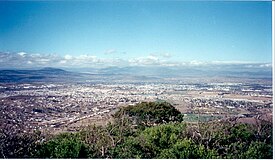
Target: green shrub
{"x":259,"y":150}
{"x":150,"y":113}
{"x":185,"y":148}
{"x":63,"y":146}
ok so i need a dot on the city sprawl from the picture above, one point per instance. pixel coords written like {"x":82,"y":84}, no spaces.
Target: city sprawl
{"x":58,"y":107}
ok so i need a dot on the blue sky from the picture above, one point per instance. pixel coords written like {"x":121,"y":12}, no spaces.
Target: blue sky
{"x":139,"y":32}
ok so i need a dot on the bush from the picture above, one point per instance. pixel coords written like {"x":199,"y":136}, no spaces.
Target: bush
{"x":130,"y":148}
{"x":259,"y":150}
{"x":18,"y":145}
{"x":150,"y":113}
{"x":185,"y":148}
{"x":158,"y":137}
{"x":66,"y":145}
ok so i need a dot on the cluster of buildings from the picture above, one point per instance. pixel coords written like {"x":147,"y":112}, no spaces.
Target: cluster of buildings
{"x":41,"y":106}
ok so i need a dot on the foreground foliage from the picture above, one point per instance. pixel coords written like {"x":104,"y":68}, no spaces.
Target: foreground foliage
{"x":65,"y":145}
{"x":147,"y":130}
{"x":150,"y":113}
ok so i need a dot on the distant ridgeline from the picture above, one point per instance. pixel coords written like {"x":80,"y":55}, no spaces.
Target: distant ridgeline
{"x":147,"y":130}
{"x":138,"y":73}
{"x":45,"y":74}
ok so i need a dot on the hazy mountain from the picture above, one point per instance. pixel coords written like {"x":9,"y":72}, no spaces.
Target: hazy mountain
{"x":161,"y":71}
{"x":14,"y":75}
{"x":131,"y":73}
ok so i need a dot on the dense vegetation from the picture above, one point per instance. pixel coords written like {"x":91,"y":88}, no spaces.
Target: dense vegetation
{"x":146,"y":130}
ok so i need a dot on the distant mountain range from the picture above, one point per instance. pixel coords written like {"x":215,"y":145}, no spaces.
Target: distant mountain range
{"x":162,"y":71}
{"x":135,"y":73}
{"x":43,"y":74}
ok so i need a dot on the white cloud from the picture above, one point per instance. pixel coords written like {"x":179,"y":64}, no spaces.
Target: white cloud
{"x":266,"y":65}
{"x":171,"y":64}
{"x":197,"y":63}
{"x":149,"y":60}
{"x":62,"y":61}
{"x":22,"y":54}
{"x":85,"y":57}
{"x":166,"y":55}
{"x":22,"y":59}
{"x":68,"y":57}
{"x":110,"y":51}
{"x":231,"y":62}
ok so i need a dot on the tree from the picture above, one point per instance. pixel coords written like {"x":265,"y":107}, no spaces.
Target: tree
{"x":185,"y":148}
{"x":259,"y":150}
{"x":18,"y":145}
{"x":150,"y":113}
{"x":66,"y":145}
{"x":130,"y":148}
